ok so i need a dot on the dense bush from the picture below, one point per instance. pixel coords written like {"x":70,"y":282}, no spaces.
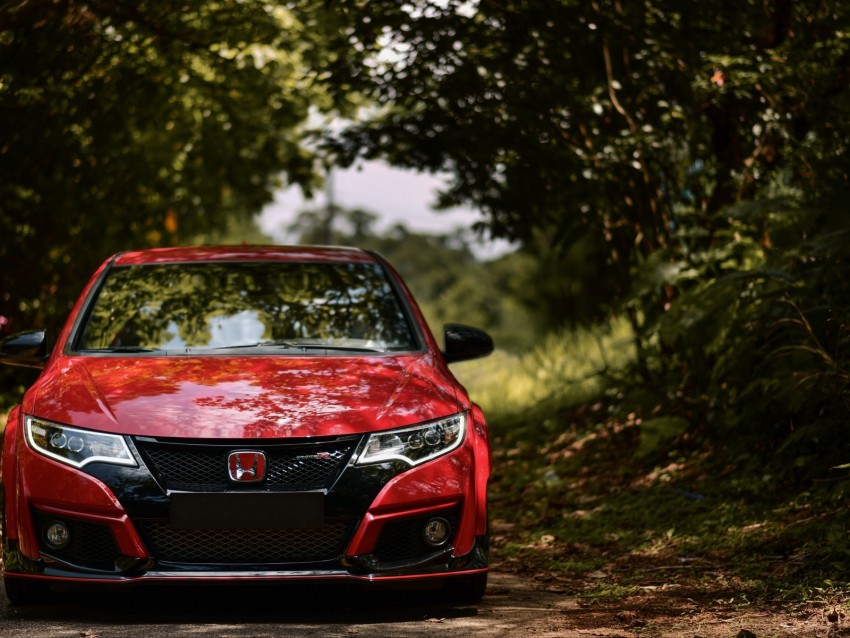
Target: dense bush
{"x":753,"y":345}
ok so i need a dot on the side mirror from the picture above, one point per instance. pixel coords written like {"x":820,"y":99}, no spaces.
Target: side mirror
{"x":464,"y":343}
{"x":25,"y":349}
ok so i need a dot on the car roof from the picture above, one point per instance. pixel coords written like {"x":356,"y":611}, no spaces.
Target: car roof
{"x":186,"y":254}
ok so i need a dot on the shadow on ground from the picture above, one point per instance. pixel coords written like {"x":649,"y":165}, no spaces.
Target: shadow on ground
{"x":243,"y":604}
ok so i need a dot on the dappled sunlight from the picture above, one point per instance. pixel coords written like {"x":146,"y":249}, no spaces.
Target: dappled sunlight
{"x":238,"y":396}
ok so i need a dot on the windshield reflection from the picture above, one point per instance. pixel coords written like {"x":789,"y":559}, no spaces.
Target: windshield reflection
{"x":239,"y":304}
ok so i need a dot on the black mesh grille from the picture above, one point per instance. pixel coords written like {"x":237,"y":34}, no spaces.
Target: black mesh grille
{"x":402,"y":540}
{"x":263,"y":546}
{"x":305,"y":470}
{"x":203,"y":467}
{"x":90,"y":544}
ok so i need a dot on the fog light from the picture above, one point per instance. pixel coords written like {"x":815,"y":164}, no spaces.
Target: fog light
{"x":57,"y":534}
{"x":436,"y":531}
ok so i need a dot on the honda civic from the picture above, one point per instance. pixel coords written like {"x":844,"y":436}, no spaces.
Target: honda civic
{"x":244,"y":414}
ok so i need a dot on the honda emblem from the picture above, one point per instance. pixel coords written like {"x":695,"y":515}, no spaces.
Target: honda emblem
{"x":246,"y":466}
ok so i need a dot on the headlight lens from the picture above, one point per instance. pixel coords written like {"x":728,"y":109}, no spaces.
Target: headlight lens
{"x":74,"y":446}
{"x":417,"y":444}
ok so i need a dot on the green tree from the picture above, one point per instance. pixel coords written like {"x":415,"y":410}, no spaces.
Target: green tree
{"x":609,"y":128}
{"x":127,"y":124}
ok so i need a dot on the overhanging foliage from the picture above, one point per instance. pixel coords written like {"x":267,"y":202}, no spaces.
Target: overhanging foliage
{"x":128,"y":124}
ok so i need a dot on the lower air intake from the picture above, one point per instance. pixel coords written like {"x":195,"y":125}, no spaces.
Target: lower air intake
{"x":253,"y":546}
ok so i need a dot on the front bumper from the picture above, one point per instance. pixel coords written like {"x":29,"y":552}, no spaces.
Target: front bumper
{"x":121,"y":521}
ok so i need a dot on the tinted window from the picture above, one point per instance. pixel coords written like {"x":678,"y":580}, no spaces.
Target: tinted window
{"x":228,"y":304}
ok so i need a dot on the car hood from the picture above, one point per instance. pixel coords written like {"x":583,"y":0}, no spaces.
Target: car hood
{"x":243,"y":396}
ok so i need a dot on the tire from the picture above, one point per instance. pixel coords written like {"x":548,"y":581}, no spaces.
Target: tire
{"x":465,"y":589}
{"x":23,"y":591}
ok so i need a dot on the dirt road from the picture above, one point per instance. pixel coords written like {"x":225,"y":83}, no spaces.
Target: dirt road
{"x":513,"y":607}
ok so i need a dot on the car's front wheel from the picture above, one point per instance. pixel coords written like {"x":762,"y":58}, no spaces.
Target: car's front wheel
{"x":465,"y":589}
{"x":21,"y":591}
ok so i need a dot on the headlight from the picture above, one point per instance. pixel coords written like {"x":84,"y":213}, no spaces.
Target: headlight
{"x":417,"y":444}
{"x":74,"y":446}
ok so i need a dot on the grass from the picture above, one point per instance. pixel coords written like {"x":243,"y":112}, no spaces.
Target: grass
{"x":564,"y":369}
{"x":593,"y":497}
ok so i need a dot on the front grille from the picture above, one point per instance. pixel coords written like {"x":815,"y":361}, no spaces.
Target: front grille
{"x":91,"y":544}
{"x":402,"y":540}
{"x":203,"y":467}
{"x":237,"y":546}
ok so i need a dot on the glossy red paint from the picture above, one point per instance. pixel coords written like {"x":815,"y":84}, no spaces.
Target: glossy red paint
{"x":52,"y":487}
{"x":259,"y":396}
{"x":441,"y":483}
{"x":189,"y":254}
{"x":255,"y":399}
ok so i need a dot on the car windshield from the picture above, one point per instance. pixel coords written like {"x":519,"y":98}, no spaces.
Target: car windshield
{"x":231,"y":305}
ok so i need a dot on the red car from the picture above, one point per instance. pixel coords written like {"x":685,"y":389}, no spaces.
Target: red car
{"x":245,"y":414}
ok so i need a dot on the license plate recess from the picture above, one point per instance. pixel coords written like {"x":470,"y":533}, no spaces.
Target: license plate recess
{"x":247,"y":510}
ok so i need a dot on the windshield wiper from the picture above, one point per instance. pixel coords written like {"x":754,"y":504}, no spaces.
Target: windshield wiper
{"x":289,"y":345}
{"x":320,"y":346}
{"x":247,"y":346}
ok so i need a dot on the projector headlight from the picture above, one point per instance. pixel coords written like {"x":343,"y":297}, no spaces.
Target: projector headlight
{"x":76,"y":447}
{"x":416,"y":444}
